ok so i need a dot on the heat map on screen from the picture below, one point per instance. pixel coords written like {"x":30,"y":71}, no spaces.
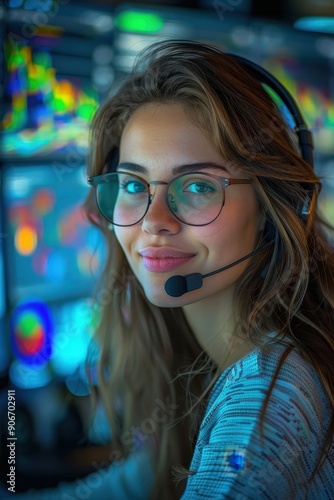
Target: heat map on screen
{"x":45,"y":112}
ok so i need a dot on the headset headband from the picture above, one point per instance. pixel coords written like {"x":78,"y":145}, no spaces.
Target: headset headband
{"x":302,"y":131}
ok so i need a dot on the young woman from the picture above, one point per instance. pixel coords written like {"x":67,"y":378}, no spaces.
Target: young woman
{"x":220,"y":384}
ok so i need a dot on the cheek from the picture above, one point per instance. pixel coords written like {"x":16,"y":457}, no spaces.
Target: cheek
{"x":238,"y":223}
{"x":123,"y":236}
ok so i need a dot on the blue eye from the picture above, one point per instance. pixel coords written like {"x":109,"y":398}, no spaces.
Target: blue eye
{"x":133,"y":187}
{"x":200,"y":188}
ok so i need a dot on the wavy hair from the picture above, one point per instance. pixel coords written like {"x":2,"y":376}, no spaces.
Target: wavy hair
{"x":154,"y":376}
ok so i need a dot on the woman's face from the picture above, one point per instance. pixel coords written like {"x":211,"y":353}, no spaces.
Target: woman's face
{"x":159,"y":138}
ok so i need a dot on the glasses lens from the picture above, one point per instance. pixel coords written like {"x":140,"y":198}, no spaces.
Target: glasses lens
{"x":195,"y":199}
{"x":122,"y":198}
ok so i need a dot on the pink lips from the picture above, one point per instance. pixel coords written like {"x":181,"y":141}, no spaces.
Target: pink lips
{"x":161,"y":259}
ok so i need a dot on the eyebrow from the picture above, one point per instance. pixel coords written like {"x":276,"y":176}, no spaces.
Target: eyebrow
{"x":180,"y":169}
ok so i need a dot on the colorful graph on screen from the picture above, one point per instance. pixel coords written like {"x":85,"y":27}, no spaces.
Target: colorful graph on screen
{"x":46,"y":113}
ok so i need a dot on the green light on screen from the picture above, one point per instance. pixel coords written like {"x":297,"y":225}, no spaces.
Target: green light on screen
{"x":29,"y":324}
{"x":86,"y":110}
{"x":59,"y":105}
{"x":140,"y":22}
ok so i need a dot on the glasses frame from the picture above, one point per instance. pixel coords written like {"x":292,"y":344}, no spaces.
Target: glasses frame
{"x":95,"y":180}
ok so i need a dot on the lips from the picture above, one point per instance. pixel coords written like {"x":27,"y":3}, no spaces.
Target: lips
{"x":164,"y":253}
{"x":164,"y":259}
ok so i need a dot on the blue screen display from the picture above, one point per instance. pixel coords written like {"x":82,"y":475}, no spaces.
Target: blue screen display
{"x":52,"y":251}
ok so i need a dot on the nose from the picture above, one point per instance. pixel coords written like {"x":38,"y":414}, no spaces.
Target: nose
{"x":159,"y":219}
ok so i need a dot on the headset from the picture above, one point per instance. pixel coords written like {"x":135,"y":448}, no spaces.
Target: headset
{"x":303,"y":133}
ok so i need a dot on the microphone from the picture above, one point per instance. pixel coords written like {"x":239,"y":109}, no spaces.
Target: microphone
{"x":178,"y":285}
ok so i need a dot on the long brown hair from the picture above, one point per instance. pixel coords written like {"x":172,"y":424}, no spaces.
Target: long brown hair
{"x":149,"y":357}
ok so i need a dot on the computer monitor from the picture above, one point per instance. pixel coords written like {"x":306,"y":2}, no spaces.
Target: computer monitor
{"x":52,"y":251}
{"x":58,"y":64}
{"x":54,"y":257}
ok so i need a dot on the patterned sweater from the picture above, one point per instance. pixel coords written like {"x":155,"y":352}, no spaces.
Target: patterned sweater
{"x":232,"y":460}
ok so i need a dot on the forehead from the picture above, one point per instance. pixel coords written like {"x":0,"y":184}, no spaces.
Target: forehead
{"x":164,"y":127}
{"x":163,"y":136}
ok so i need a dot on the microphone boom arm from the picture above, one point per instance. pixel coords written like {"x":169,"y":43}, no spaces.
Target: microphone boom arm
{"x":178,"y":285}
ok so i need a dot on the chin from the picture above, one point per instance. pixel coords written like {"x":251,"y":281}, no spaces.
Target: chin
{"x":160,"y":298}
{"x":157,"y":296}
{"x":163,"y":300}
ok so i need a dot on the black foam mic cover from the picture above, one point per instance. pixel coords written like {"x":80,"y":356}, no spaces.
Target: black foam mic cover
{"x":177,"y":285}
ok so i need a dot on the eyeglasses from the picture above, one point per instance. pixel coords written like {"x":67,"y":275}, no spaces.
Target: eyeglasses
{"x":194,"y":198}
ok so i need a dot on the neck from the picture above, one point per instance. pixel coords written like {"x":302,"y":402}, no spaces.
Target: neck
{"x":213,"y":323}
